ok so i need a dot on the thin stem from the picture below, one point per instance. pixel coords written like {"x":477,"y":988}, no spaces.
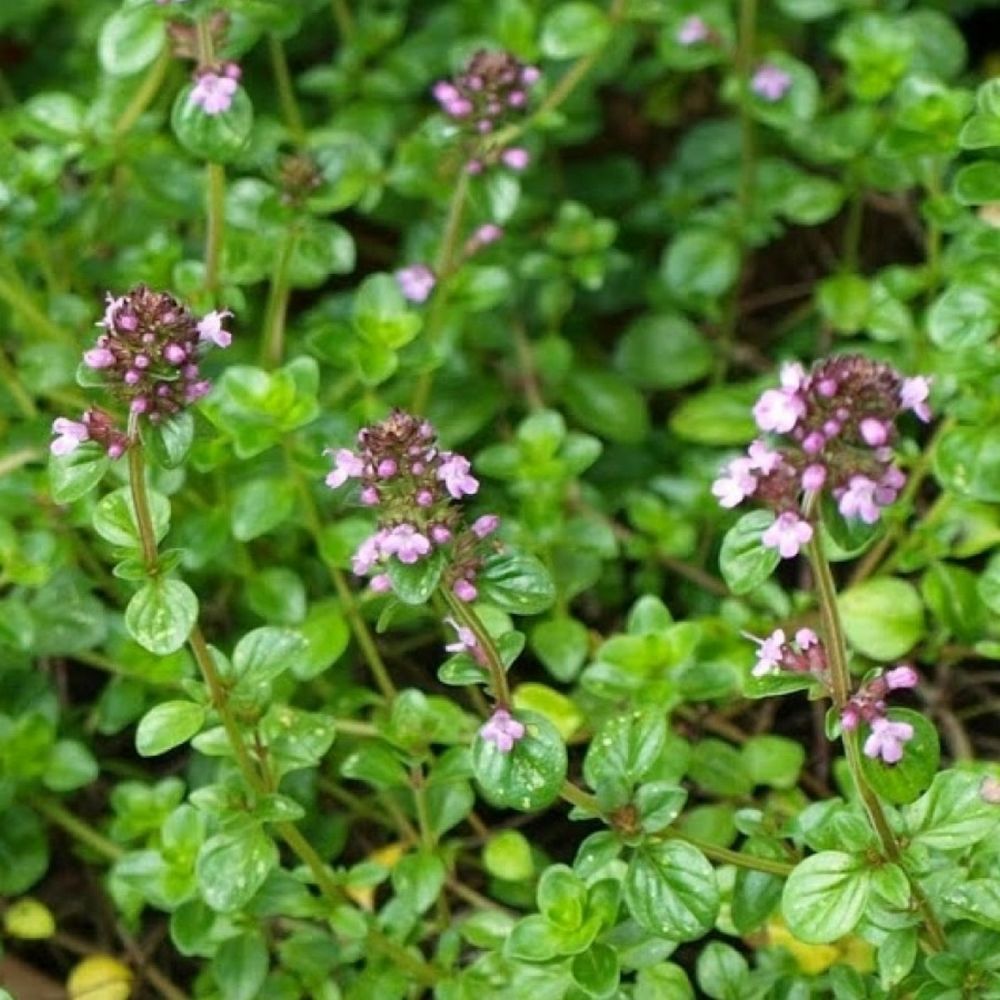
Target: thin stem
{"x":286,"y":90}
{"x":215,"y":224}
{"x":725,"y":856}
{"x":852,"y":231}
{"x":747,"y":177}
{"x":140,"y":501}
{"x":273,"y":348}
{"x":20,"y":395}
{"x":443,"y":266}
{"x":55,"y":813}
{"x":144,"y":95}
{"x":362,"y":634}
{"x":17,"y":296}
{"x":576,"y":796}
{"x":836,"y":649}
{"x":467,"y":616}
{"x":206,"y":48}
{"x":18,"y":459}
{"x":344,"y":20}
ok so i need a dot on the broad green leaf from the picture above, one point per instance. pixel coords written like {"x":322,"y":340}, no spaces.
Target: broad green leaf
{"x":744,"y":561}
{"x":517,"y":583}
{"x":883,"y":617}
{"x":161,"y":614}
{"x":232,"y":866}
{"x":825,"y":896}
{"x":168,"y":725}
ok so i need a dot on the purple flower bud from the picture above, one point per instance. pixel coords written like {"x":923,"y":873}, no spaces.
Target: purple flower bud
{"x":132,"y":377}
{"x":813,"y":443}
{"x":530,"y":75}
{"x":416,"y":282}
{"x":465,"y":591}
{"x":806,"y":638}
{"x":99,"y":357}
{"x":116,"y":449}
{"x":380,"y":583}
{"x":175,"y":354}
{"x":369,"y":496}
{"x":517,"y":158}
{"x":386,"y":468}
{"x":484,"y":526}
{"x":874,"y":432}
{"x":141,"y":362}
{"x":827,"y":387}
{"x":440,"y":534}
{"x":813,"y":478}
{"x":424,"y":498}
{"x":128,"y":323}
{"x":849,"y":718}
{"x":474,"y":167}
{"x":901,"y":677}
{"x":770,"y":83}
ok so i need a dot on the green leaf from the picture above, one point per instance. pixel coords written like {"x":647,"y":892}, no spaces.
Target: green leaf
{"x":232,"y":866}
{"x":381,"y":314}
{"x":670,"y":889}
{"x":516,"y":583}
{"x":883,"y":617}
{"x":260,"y":505}
{"x":621,"y":753}
{"x":744,"y":561}
{"x":597,"y":970}
{"x":418,"y":879}
{"x":663,"y":352}
{"x":71,"y":765}
{"x":219,"y":138}
{"x":967,"y":460}
{"x":321,"y":248}
{"x":721,"y":971}
{"x":413,"y":583}
{"x":574,"y":29}
{"x":952,"y":815}
{"x":24,"y":850}
{"x":700,"y":263}
{"x":530,"y":776}
{"x":240,"y":966}
{"x":265,"y":653}
{"x":903,"y":782}
{"x":170,"y":441}
{"x":130,"y":39}
{"x":606,"y":404}
{"x":74,"y":475}
{"x":978,"y":183}
{"x":562,"y":645}
{"x":507,"y":856}
{"x":168,"y":725}
{"x":773,"y":760}
{"x":825,"y":896}
{"x":115,"y":521}
{"x":722,"y":417}
{"x":161,"y":615}
{"x":965,"y":315}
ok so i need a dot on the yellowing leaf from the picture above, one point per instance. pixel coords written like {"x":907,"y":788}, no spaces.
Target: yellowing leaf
{"x":100,"y":977}
{"x":29,"y":920}
{"x":387,"y":857}
{"x":813,"y":959}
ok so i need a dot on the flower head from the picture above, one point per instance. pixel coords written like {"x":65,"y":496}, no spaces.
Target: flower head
{"x":770,"y":653}
{"x":416,"y":282}
{"x":736,"y":483}
{"x":770,"y":83}
{"x":210,"y":328}
{"x":886,"y":740}
{"x":346,"y":465}
{"x":913,"y":394}
{"x":214,"y":89}
{"x":788,"y":534}
{"x":454,"y":473}
{"x":692,"y":31}
{"x":502,"y":730}
{"x":778,"y":410}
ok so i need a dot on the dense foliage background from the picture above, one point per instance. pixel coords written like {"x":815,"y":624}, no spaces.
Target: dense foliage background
{"x":229,"y":768}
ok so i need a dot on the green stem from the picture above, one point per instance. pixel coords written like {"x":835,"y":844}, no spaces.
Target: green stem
{"x":466,"y":615}
{"x":345,"y":595}
{"x":727,"y":857}
{"x":344,"y":20}
{"x":20,"y":395}
{"x":140,"y":501}
{"x":145,"y":94}
{"x":56,"y":814}
{"x":576,"y":796}
{"x":203,"y":35}
{"x":840,"y":682}
{"x":273,"y":348}
{"x":215,"y":226}
{"x":18,"y":459}
{"x":18,"y":298}
{"x":747,"y":177}
{"x":286,"y":90}
{"x":443,"y":266}
{"x":852,"y":231}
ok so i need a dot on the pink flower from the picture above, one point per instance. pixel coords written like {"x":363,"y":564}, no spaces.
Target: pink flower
{"x":71,"y":435}
{"x":484,"y":526}
{"x":858,"y":500}
{"x":850,"y":717}
{"x":465,"y":641}
{"x":210,"y":328}
{"x":886,"y":740}
{"x":214,"y":92}
{"x":788,"y":534}
{"x":516,"y":158}
{"x":530,"y":75}
{"x":770,"y":83}
{"x":901,"y":677}
{"x":502,"y":730}
{"x":483,"y":236}
{"x":913,"y":395}
{"x":813,"y":477}
{"x":793,"y":376}
{"x":406,"y":544}
{"x":778,"y":410}
{"x":465,"y":590}
{"x":454,"y":473}
{"x":874,"y":432}
{"x":380,"y":583}
{"x":806,"y":638}
{"x":735,"y":484}
{"x":763,"y":458}
{"x":769,"y":654}
{"x":346,"y":465}
{"x":890,"y":484}
{"x":692,"y":31}
{"x":367,"y":554}
{"x":416,"y":282}
{"x":99,"y":357}
{"x":111,"y":307}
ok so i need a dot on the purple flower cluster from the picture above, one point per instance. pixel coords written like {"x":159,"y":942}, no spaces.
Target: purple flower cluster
{"x":770,"y":83}
{"x":492,"y":89}
{"x":403,"y":473}
{"x":837,"y":428}
{"x":148,"y":356}
{"x":215,"y":88}
{"x":805,"y":655}
{"x":886,"y":738}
